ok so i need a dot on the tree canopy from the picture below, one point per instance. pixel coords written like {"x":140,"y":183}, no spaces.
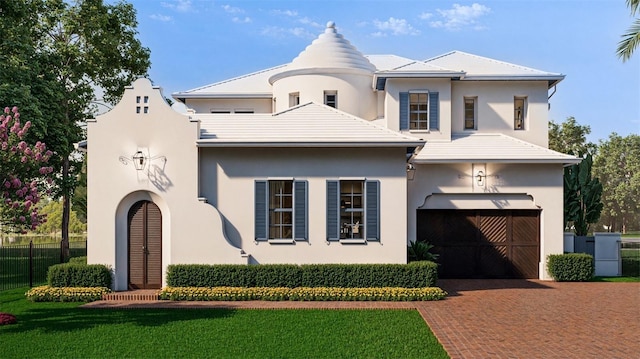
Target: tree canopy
{"x":59,"y":53}
{"x":570,"y":137}
{"x":618,"y":167}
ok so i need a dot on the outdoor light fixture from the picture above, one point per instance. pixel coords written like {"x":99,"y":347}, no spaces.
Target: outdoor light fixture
{"x":480,"y":176}
{"x":411,"y":171}
{"x":138,"y":160}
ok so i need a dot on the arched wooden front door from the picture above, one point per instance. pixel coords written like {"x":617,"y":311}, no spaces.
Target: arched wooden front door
{"x":145,"y":246}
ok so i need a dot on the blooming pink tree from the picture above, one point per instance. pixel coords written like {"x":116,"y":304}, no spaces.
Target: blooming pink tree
{"x":23,"y":174}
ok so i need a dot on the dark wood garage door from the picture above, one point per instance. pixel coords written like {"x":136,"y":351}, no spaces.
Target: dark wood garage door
{"x":483,"y":243}
{"x":145,"y":246}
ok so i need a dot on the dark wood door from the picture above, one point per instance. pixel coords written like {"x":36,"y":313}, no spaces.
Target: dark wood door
{"x":483,"y":243}
{"x":145,"y":246}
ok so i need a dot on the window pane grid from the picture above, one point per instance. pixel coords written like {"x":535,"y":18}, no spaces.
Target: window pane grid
{"x":280,"y":209}
{"x":352,"y":209}
{"x":418,"y":111}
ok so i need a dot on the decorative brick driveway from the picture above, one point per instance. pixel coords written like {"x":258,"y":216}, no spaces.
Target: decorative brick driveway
{"x":504,"y":318}
{"x":536,"y":319}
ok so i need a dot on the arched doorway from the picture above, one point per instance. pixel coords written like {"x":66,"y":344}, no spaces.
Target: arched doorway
{"x":144,"y":246}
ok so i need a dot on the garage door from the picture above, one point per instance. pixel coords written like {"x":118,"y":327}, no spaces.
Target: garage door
{"x":483,"y":243}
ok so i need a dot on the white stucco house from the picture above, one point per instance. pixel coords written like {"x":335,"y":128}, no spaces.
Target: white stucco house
{"x":335,"y":157}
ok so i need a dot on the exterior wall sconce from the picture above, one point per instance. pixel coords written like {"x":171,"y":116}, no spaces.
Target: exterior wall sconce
{"x":411,"y":171}
{"x":138,"y":160}
{"x":480,"y":176}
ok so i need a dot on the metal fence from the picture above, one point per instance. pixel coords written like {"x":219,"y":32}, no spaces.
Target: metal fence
{"x":27,"y":264}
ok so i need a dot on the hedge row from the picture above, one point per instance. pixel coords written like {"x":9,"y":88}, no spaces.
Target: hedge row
{"x":571,"y":267}
{"x":79,"y":275}
{"x":302,"y":294}
{"x":412,"y":275}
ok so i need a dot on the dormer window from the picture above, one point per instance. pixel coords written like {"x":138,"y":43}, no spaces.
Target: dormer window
{"x":331,"y":98}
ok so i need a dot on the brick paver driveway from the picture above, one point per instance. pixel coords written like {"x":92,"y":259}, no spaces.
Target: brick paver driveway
{"x":536,"y":319}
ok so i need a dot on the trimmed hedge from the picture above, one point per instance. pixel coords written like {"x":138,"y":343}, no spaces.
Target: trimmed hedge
{"x":78,"y":260}
{"x":413,"y":275}
{"x":571,"y":267}
{"x":79,"y":275}
{"x":55,"y":294}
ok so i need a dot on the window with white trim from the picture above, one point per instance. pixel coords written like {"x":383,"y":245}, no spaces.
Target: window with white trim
{"x":331,"y":98}
{"x":281,"y":210}
{"x":519,"y":112}
{"x":353,"y":210}
{"x":419,"y":110}
{"x":470,"y":122}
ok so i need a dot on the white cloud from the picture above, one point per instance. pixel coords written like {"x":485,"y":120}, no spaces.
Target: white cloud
{"x":306,"y":21}
{"x":232,"y":10}
{"x":426,"y":16}
{"x":239,"y":20}
{"x":291,"y":13}
{"x":178,"y":5}
{"x":395,"y":27}
{"x":280,"y":32}
{"x":159,"y":17}
{"x":461,"y":16}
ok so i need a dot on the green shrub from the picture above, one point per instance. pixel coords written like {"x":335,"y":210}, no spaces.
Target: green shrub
{"x":412,"y":275}
{"x":78,"y":260}
{"x":571,"y":267}
{"x":79,"y":275}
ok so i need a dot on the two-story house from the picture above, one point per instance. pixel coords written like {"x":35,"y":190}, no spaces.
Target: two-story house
{"x":335,"y":157}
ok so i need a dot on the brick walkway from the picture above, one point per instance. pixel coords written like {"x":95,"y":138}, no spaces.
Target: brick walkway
{"x":504,"y":318}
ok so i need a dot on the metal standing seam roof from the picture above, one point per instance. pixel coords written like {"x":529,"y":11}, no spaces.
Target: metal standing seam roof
{"x":489,"y":148}
{"x":307,"y":125}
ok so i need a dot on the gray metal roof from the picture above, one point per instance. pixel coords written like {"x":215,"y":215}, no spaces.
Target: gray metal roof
{"x":307,"y":125}
{"x":489,"y":148}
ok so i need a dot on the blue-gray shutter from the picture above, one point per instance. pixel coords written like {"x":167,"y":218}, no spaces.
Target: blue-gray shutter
{"x":300,"y":211}
{"x":434,"y":111}
{"x":261,"y":210}
{"x":404,"y":110}
{"x":372,"y":213}
{"x":333,"y":210}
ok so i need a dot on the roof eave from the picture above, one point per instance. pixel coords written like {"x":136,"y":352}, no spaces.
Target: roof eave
{"x":380,"y":78}
{"x":563,"y":161}
{"x":254,"y":95}
{"x":318,"y":144}
{"x":551,"y":79}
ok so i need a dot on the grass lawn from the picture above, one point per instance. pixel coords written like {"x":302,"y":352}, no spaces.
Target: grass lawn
{"x":51,"y":330}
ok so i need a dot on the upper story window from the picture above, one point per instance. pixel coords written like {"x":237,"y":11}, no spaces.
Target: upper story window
{"x":419,"y":111}
{"x":331,"y":98}
{"x":470,"y":113}
{"x":519,"y":112}
{"x":294,"y":99}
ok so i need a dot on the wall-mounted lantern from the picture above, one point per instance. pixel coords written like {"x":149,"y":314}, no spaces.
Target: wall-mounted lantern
{"x":411,"y":171}
{"x":139,"y":160}
{"x":480,"y":176}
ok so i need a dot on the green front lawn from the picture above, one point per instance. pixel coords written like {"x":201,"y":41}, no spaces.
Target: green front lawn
{"x":50,"y":330}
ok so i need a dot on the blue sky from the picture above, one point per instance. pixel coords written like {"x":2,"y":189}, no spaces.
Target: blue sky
{"x":198,"y":42}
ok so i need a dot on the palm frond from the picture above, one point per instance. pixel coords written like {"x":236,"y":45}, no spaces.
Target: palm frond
{"x":633,"y":5}
{"x":629,"y":42}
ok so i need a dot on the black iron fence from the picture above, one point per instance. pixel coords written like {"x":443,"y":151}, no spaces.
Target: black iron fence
{"x":27,"y":264}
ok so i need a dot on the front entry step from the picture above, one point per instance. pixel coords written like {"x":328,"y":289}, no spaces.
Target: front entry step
{"x":140,"y":295}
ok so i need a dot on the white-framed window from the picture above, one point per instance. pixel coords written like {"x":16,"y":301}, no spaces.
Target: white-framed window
{"x":519,"y":112}
{"x":281,"y":210}
{"x":294,"y":99}
{"x":419,"y":110}
{"x":470,"y":113}
{"x":331,"y":98}
{"x":353,"y":210}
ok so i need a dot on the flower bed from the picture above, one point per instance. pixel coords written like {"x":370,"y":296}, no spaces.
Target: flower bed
{"x":66,"y":294}
{"x":302,"y":294}
{"x":6,"y":319}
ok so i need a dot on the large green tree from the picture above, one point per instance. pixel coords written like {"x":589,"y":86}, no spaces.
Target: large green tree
{"x":570,"y":137}
{"x":631,"y":39}
{"x":618,"y":167}
{"x":66,"y":50}
{"x":582,"y":196}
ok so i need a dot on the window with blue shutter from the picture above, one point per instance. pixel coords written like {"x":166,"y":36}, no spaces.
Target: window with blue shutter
{"x":333,"y":205}
{"x":281,"y":210}
{"x":261,"y":211}
{"x":434,"y":111}
{"x":353,"y":210}
{"x":372,"y":229}
{"x":404,"y":111}
{"x":300,"y":211}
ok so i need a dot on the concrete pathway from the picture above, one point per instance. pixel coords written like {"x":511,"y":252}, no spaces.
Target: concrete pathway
{"x":503,"y":318}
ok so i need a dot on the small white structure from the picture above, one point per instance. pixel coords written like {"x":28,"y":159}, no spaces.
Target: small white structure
{"x":335,"y":157}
